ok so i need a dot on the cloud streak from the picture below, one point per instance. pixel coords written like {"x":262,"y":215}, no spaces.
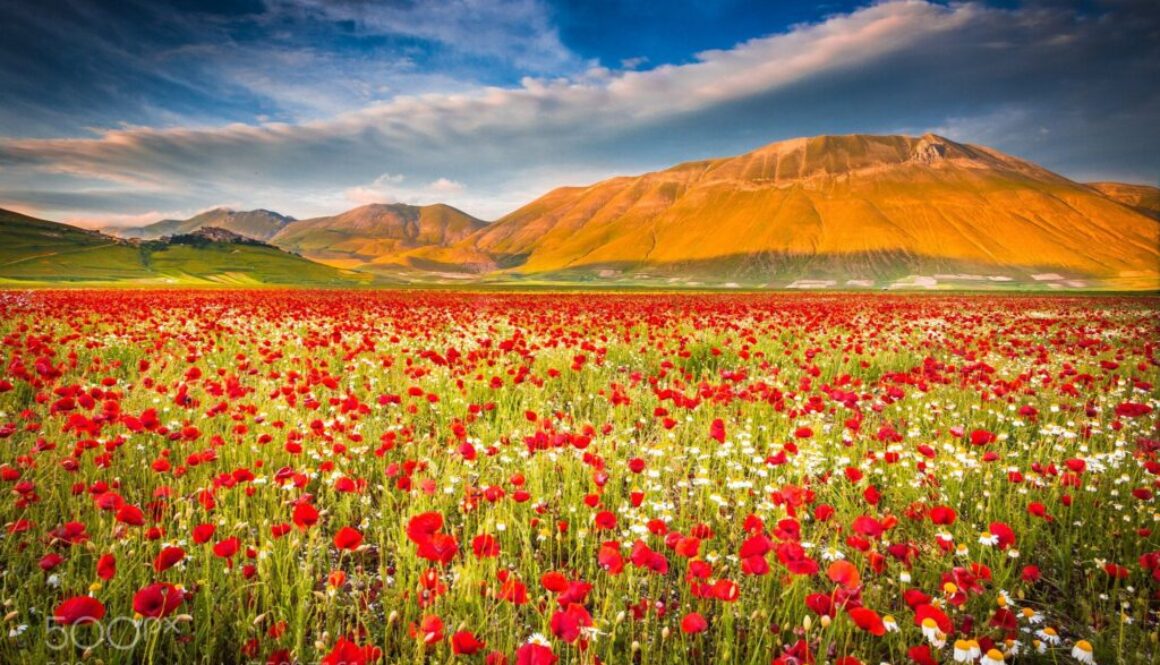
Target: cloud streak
{"x":1037,"y":82}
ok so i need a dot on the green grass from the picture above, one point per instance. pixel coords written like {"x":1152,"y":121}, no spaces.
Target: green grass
{"x":37,"y":252}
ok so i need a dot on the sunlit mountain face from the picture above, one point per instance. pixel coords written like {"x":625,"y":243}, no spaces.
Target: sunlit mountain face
{"x":124,"y":114}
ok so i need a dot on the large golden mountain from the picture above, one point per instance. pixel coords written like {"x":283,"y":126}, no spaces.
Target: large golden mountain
{"x":829,"y":211}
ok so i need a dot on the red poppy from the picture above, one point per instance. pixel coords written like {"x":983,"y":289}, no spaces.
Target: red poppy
{"x":534,"y":653}
{"x":981,"y":437}
{"x":227,"y":548}
{"x":429,"y":630}
{"x":568,"y":623}
{"x":167,"y":558}
{"x":868,"y":620}
{"x":844,"y":573}
{"x":421,"y":527}
{"x":717,"y":430}
{"x":348,"y":538}
{"x":107,"y":567}
{"x":346,"y":652}
{"x":79,"y":610}
{"x":157,"y":600}
{"x":693,"y":623}
{"x":202,"y":533}
{"x":305,"y":516}
{"x":943,"y":515}
{"x":465,"y":643}
{"x":605,"y":520}
{"x":131,"y":515}
{"x":485,"y":546}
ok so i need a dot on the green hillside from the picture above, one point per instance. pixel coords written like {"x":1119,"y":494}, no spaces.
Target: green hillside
{"x":35,"y":251}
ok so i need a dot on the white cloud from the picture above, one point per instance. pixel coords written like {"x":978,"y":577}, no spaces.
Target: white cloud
{"x":390,"y":188}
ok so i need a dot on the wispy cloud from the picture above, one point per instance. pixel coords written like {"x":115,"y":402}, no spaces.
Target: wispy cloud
{"x":516,"y":31}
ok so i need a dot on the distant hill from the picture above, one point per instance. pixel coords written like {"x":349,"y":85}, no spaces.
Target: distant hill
{"x":826,"y":212}
{"x":37,"y":251}
{"x":1142,"y":198}
{"x":378,"y":234}
{"x":258,"y":224}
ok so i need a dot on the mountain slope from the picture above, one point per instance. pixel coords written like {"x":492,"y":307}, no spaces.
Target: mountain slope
{"x":257,"y":224}
{"x":36,"y":251}
{"x":376,"y":234}
{"x":1142,"y":198}
{"x":829,"y":211}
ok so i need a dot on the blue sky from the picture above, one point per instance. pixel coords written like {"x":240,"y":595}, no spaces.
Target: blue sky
{"x":126,"y":111}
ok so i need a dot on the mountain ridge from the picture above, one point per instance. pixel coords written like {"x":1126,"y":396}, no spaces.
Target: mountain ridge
{"x":366,"y":236}
{"x":260,"y":224}
{"x":945,"y":206}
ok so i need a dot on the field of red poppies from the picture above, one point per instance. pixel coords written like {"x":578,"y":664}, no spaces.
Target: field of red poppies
{"x":438,"y":477}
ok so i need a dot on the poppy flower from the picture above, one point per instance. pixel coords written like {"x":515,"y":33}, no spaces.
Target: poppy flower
{"x":226,"y":549}
{"x":693,"y":623}
{"x":844,"y":573}
{"x":717,"y":430}
{"x":485,"y":546}
{"x":554,"y":581}
{"x":440,"y":548}
{"x":167,"y":558}
{"x":429,"y":630}
{"x":131,"y":515}
{"x":107,"y":567}
{"x":421,"y":527}
{"x":942,"y":515}
{"x":305,"y":516}
{"x":868,"y":620}
{"x":348,"y":538}
{"x":605,"y":520}
{"x":1004,"y":534}
{"x":346,"y":652}
{"x":203,"y":533}
{"x":981,"y":437}
{"x":535,"y":653}
{"x":79,"y":610}
{"x":568,"y":623}
{"x":157,"y":600}
{"x":465,"y":643}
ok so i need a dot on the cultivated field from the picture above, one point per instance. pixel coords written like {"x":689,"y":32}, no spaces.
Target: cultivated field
{"x":425,"y":477}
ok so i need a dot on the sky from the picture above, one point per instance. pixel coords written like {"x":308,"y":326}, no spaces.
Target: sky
{"x":123,"y":112}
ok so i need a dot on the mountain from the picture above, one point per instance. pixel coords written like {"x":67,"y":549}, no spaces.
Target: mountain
{"x":37,"y":251}
{"x":376,"y":235}
{"x":829,"y":211}
{"x":1142,"y":198}
{"x":258,"y":224}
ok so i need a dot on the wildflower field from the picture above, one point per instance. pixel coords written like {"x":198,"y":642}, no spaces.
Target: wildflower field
{"x":442,"y":477}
